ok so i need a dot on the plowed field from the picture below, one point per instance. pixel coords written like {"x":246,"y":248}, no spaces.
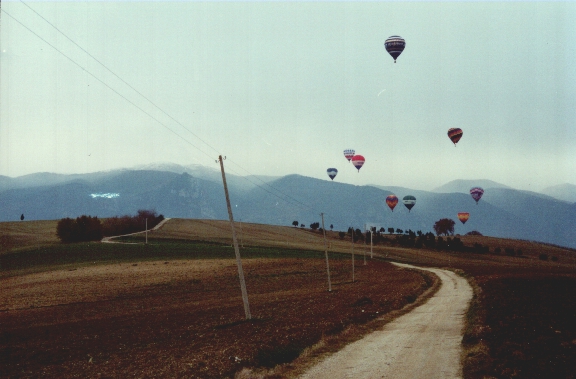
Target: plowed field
{"x":184,"y":318}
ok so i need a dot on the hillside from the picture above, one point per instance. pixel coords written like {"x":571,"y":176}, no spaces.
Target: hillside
{"x":566,"y":192}
{"x":502,"y":212}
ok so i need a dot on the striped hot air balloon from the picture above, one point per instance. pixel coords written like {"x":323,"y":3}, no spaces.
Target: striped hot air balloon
{"x":349,"y":153}
{"x":463,"y":216}
{"x":476,"y":193}
{"x":391,"y":201}
{"x":358,"y":161}
{"x":409,"y":201}
{"x":395,"y":46}
{"x":332,"y":173}
{"x":455,"y":134}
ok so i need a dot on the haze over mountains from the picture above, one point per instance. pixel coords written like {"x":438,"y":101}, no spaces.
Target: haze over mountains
{"x":197,"y":192}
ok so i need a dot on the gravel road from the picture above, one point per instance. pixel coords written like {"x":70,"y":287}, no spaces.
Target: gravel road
{"x":424,"y":343}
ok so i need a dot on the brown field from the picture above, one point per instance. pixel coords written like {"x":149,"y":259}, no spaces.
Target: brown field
{"x":184,"y":318}
{"x":16,"y":236}
{"x":188,"y":314}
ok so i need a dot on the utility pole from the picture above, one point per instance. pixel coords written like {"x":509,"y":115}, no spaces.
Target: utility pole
{"x":146,"y":230}
{"x":326,"y":254}
{"x":364,"y":246}
{"x":371,"y":251}
{"x":236,"y":249}
{"x":352,"y":253}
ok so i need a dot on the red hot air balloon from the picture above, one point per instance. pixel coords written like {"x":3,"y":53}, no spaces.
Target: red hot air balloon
{"x":455,"y":134}
{"x":358,"y":161}
{"x":463,"y":216}
{"x":391,"y":201}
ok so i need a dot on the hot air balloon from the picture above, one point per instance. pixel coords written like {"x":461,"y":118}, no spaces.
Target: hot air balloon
{"x":394,"y":46}
{"x":391,"y":201}
{"x":463,"y":216}
{"x":455,"y":134}
{"x":409,"y":201}
{"x":349,"y":153}
{"x":358,"y":161}
{"x":476,"y":193}
{"x":332,"y":173}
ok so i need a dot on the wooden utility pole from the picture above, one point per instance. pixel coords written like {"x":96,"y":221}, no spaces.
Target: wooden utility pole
{"x":236,"y":249}
{"x":352,"y":254}
{"x":364,"y":246}
{"x":326,"y":253}
{"x":371,"y":252}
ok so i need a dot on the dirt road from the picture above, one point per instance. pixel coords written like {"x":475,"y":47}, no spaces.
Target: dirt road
{"x":424,"y":343}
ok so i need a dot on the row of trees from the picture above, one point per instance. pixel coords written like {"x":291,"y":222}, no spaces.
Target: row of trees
{"x":88,"y":228}
{"x":441,"y":227}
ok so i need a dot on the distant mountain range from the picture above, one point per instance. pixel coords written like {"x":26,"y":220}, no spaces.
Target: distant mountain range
{"x":197,"y":192}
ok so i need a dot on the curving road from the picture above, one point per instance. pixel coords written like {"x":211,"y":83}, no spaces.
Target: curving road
{"x":424,"y":343}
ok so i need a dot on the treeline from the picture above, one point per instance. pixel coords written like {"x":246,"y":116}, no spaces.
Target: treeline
{"x":88,"y":228}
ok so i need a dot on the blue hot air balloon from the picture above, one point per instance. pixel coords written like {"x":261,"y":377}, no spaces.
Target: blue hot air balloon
{"x":332,"y":173}
{"x":395,"y":46}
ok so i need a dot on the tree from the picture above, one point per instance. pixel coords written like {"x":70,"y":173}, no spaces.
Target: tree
{"x":314,"y":225}
{"x":391,"y":230}
{"x":22,"y":217}
{"x":302,"y":225}
{"x":331,"y":226}
{"x":342,"y":235}
{"x":84,"y":228}
{"x":295,"y":223}
{"x":444,"y":226}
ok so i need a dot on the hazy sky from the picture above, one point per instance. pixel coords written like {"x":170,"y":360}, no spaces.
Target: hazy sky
{"x":284,"y":87}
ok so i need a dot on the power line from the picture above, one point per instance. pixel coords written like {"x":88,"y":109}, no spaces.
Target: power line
{"x":161,"y":110}
{"x":119,"y":78}
{"x":285,"y":197}
{"x":104,"y":83}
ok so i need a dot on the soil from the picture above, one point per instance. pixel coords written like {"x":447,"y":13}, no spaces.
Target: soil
{"x":183,"y":319}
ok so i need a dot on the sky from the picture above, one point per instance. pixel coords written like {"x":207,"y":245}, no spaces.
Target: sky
{"x":283,"y":88}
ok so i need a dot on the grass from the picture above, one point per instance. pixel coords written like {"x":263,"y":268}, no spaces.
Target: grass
{"x":520,"y":322}
{"x":88,"y":253}
{"x":23,"y":235}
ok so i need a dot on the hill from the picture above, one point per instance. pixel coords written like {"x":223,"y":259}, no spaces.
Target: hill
{"x":461,"y":185}
{"x":565,"y":192}
{"x":198,"y":193}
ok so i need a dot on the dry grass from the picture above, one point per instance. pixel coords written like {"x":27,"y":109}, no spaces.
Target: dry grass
{"x":490,"y":274}
{"x":17,"y":236}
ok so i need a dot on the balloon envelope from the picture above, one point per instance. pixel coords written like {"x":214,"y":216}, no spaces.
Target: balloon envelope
{"x":476,"y":193}
{"x":332,"y":173}
{"x":391,"y":201}
{"x":395,"y":46}
{"x":358,"y":161}
{"x":349,"y":153}
{"x":455,"y":134}
{"x":463,"y":216}
{"x":409,"y":201}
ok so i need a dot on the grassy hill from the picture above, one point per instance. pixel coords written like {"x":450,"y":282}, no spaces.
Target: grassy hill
{"x":520,"y":322}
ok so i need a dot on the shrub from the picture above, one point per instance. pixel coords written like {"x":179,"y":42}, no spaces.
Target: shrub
{"x":115,"y":226}
{"x":83,"y":229}
{"x":554,"y":259}
{"x":543,"y":257}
